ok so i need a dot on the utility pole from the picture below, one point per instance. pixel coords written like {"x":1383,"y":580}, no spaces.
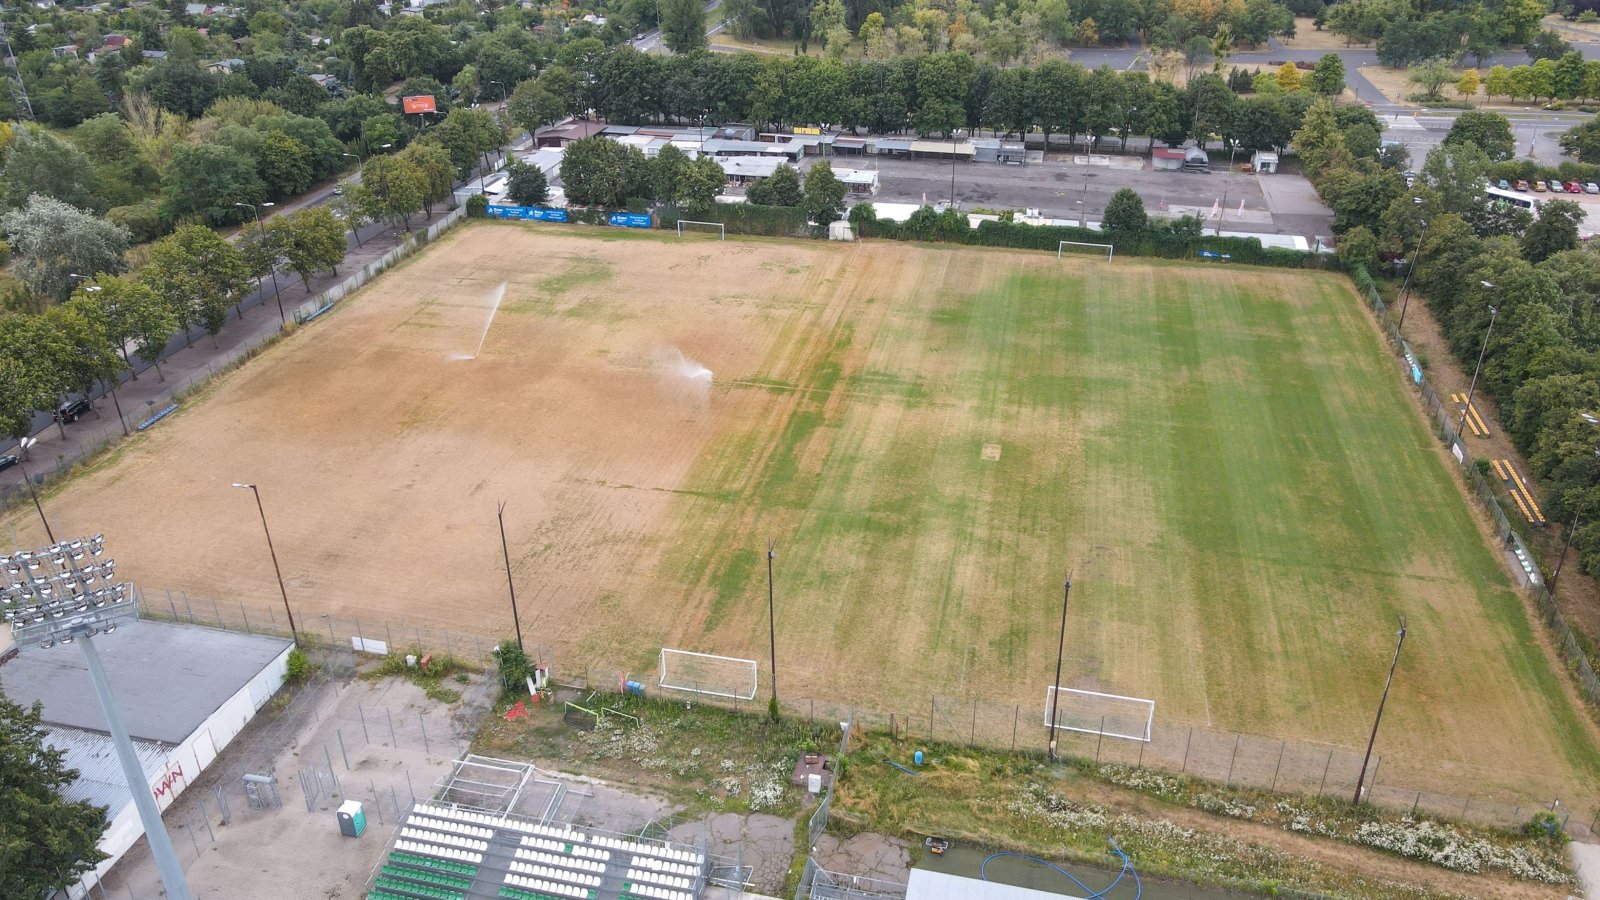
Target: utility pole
{"x":1061,"y":648}
{"x":505,"y":550}
{"x":19,"y":91}
{"x":1472,"y":389}
{"x":772,"y":621}
{"x":1361,"y":779}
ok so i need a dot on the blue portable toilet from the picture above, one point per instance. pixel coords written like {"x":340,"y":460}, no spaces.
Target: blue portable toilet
{"x":352,"y":818}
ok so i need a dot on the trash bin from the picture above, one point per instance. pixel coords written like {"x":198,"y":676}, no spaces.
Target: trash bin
{"x":352,"y":818}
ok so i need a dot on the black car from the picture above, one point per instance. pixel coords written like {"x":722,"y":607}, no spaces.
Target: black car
{"x":7,"y":462}
{"x":73,"y":410}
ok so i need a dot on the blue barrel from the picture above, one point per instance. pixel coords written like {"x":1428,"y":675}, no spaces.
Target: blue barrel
{"x":917,"y":757}
{"x":634,"y":688}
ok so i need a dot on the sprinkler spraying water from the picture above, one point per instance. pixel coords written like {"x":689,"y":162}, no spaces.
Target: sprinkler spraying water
{"x":495,"y":297}
{"x":690,"y":369}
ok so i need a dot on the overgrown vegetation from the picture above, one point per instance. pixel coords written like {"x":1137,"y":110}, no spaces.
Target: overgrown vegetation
{"x":430,"y":677}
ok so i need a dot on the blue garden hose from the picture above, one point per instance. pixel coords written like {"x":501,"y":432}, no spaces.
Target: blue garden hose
{"x":1092,"y":894}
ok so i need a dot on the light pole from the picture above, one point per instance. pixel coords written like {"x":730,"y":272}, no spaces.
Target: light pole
{"x":355,"y":230}
{"x":1493,"y":312}
{"x":1222,"y":210}
{"x":271,"y":265}
{"x":270,"y":549}
{"x":502,"y":114}
{"x":505,"y":550}
{"x":35,"y":495}
{"x":772,"y":623}
{"x":952,"y":168}
{"x":1061,"y":649}
{"x":1361,"y":779}
{"x":1405,"y":289}
{"x":1566,"y":540}
{"x":74,"y":615}
{"x":1083,"y":214}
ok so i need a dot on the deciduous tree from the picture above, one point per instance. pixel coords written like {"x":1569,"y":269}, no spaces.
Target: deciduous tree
{"x":199,"y":275}
{"x":311,"y":240}
{"x":526,"y":185}
{"x":53,"y":241}
{"x":781,"y":188}
{"x":823,"y":200}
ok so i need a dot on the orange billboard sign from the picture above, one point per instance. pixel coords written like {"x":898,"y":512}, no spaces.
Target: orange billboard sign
{"x":422,"y":103}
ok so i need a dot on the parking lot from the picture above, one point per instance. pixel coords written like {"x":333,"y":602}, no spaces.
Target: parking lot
{"x":1064,"y":185}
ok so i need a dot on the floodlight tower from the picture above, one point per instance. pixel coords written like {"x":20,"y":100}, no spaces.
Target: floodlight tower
{"x":50,"y":597}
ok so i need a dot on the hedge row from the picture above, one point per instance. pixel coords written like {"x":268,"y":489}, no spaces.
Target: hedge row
{"x":1162,"y":241}
{"x":745,"y":218}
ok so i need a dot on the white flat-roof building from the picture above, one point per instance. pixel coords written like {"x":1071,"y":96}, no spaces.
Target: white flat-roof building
{"x":184,"y":692}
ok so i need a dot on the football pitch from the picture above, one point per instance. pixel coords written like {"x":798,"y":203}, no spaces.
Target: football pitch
{"x":1225,"y":459}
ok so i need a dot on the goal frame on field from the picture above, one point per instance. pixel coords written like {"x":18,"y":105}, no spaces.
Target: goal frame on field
{"x":1078,"y":710}
{"x":725,"y":678}
{"x":722,"y":229}
{"x":1061,"y":248}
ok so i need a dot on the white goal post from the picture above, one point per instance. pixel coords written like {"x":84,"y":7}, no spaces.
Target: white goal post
{"x":1091,"y":712}
{"x":704,"y":673}
{"x":722,"y":230}
{"x":1061,"y":248}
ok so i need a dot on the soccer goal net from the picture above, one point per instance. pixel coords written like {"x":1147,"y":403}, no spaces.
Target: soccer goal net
{"x":703,"y":673}
{"x":1081,"y":247}
{"x":1091,"y":712}
{"x":688,"y":226}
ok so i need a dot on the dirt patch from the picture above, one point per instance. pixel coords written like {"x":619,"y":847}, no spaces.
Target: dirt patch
{"x":1307,"y":37}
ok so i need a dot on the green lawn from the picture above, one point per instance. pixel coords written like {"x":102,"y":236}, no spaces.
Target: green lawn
{"x":1226,"y":459}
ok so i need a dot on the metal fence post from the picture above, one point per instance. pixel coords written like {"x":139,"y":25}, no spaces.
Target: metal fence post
{"x":216,"y":612}
{"x":339,"y":732}
{"x":425,"y":746}
{"x":1279,"y":768}
{"x":1186,"y":742}
{"x":1016,"y":716}
{"x":1233,"y":759}
{"x":1100,"y":740}
{"x":363,"y":714}
{"x":931,"y":708}
{"x":331,"y":638}
{"x":393,"y":741}
{"x":1325,"y":766}
{"x":246,"y":617}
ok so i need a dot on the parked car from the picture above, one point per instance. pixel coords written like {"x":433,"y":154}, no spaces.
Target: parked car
{"x":1522,"y":184}
{"x":73,"y":410}
{"x":1504,"y":185}
{"x":1555,"y":186}
{"x":1574,"y":188}
{"x":1538,"y":187}
{"x":1590,"y":187}
{"x":7,"y":462}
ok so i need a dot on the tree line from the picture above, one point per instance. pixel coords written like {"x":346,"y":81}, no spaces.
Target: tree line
{"x":1474,"y":259}
{"x":90,"y":338}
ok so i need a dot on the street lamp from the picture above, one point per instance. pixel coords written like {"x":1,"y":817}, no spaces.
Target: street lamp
{"x":270,"y":549}
{"x":1405,"y":289}
{"x":1083,"y":214}
{"x":26,"y":479}
{"x":1493,"y":313}
{"x":511,"y":585}
{"x":1566,"y":541}
{"x":263,"y":230}
{"x":501,"y":114}
{"x":59,"y":608}
{"x":1222,"y":209}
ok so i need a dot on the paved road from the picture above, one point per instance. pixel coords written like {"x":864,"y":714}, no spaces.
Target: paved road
{"x":651,"y":40}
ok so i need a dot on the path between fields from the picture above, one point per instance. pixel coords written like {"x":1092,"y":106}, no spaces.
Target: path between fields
{"x":1333,"y":854}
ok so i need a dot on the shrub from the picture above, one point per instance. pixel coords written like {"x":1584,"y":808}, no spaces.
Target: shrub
{"x":298,"y":665}
{"x":477,"y":206}
{"x":143,"y":221}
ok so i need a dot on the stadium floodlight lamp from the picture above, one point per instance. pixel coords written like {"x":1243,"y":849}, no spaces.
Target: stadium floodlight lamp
{"x":57,"y":606}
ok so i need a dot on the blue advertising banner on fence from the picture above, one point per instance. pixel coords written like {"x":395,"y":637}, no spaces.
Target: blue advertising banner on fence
{"x":526,"y":212}
{"x":631,"y":220}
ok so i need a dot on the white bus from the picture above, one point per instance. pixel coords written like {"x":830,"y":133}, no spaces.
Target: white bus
{"x":1496,"y":195}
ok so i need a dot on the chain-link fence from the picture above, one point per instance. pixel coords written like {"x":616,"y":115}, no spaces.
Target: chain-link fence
{"x":1232,"y":758}
{"x":1566,"y":641}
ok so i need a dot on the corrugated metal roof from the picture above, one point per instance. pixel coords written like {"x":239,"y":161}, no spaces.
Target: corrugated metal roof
{"x":167,"y":679}
{"x":893,"y":144}
{"x":942,"y":147}
{"x":100,"y":778}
